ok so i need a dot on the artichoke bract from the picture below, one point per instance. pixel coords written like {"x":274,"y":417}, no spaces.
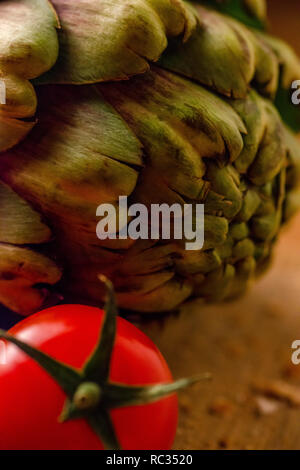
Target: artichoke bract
{"x":162,"y":101}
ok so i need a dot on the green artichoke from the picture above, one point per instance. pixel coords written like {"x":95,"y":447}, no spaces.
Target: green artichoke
{"x":163,"y":101}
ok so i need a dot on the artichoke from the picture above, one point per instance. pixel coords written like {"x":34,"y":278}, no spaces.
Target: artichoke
{"x":163,"y":101}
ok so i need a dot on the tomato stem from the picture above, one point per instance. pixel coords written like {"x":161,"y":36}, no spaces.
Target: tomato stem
{"x":87,"y":396}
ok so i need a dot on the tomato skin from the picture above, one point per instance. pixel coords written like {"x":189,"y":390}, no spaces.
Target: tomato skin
{"x":31,"y":402}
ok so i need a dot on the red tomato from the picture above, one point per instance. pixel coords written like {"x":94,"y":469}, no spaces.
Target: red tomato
{"x":31,"y":401}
